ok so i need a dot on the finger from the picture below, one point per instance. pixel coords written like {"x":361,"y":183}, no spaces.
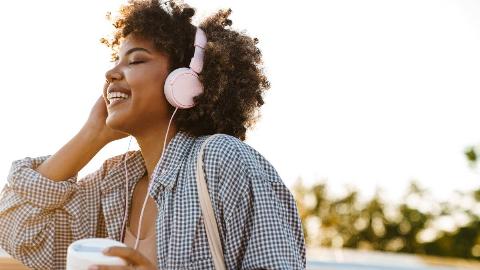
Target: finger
{"x":103,"y":98}
{"x":105,"y":89}
{"x":129,"y":254}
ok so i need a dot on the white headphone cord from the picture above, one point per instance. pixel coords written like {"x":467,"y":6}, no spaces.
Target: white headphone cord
{"x":150,"y":183}
{"x":126,"y":190}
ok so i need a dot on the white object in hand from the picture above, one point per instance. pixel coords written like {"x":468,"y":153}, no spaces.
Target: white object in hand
{"x":83,"y":253}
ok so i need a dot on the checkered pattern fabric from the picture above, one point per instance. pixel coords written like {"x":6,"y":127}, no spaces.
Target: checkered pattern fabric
{"x":257,"y":216}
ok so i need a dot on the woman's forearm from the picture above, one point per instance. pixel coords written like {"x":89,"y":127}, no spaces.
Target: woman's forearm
{"x":72,"y":157}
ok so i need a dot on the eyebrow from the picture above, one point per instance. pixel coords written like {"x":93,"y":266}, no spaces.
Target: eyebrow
{"x":137,"y":49}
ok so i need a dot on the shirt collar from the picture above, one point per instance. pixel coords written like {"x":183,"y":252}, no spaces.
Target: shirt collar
{"x":167,"y":169}
{"x":165,"y":172}
{"x":116,"y":175}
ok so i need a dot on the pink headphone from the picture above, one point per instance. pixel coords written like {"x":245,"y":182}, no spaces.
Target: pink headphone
{"x":183,"y":84}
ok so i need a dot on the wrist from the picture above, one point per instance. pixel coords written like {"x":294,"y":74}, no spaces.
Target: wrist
{"x":92,"y":137}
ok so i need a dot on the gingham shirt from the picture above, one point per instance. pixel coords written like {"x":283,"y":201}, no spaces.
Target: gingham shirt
{"x":256,"y":214}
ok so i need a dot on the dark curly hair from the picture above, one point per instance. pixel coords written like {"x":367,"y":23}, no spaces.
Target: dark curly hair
{"x":232,"y":75}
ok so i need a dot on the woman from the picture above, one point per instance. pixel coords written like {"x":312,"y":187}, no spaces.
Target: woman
{"x":44,"y":207}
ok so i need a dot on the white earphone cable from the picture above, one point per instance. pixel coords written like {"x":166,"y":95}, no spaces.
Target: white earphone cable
{"x":150,"y":184}
{"x":126,"y":190}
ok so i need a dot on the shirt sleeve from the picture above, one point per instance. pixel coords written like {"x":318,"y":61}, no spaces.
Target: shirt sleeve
{"x":40,"y":217}
{"x":262,"y":227}
{"x":266,"y":227}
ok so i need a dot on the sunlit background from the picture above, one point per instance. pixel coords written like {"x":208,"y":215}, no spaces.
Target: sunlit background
{"x":370,"y":93}
{"x":365,"y":94}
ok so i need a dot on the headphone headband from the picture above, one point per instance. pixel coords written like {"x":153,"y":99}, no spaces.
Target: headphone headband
{"x":196,"y":64}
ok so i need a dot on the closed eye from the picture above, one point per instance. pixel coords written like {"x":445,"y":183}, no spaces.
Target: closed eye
{"x":136,"y":62}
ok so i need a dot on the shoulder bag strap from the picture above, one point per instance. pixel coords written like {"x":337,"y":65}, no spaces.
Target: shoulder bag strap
{"x":208,"y":214}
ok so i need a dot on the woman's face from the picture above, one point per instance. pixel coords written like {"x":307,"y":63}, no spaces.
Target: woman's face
{"x":139,"y":74}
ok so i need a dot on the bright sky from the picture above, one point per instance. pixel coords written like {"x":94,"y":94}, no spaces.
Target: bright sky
{"x":366,"y":93}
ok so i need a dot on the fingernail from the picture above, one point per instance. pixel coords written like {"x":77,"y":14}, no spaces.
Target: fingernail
{"x":106,"y":251}
{"x":93,"y":267}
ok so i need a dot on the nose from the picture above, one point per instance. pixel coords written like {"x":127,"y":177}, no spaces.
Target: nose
{"x":113,"y":74}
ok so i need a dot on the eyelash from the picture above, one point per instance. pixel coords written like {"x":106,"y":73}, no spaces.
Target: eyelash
{"x":135,"y":62}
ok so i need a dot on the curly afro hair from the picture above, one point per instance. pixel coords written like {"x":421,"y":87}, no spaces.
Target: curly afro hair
{"x":232,"y":75}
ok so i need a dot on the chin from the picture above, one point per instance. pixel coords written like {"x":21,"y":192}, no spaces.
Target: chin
{"x":116,"y":123}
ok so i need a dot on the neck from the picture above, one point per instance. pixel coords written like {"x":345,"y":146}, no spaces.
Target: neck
{"x":151,"y":146}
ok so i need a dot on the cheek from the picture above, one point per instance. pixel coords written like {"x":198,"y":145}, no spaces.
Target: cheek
{"x":149,"y":92}
{"x":147,"y":82}
{"x":146,"y":76}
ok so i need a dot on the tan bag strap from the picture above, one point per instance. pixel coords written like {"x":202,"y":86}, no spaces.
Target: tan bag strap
{"x":208,"y":214}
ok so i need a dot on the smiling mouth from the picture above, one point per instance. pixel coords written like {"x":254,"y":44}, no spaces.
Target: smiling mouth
{"x":114,"y":97}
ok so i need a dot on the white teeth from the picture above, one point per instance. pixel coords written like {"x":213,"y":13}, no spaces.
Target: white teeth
{"x":114,"y":99}
{"x":116,"y":96}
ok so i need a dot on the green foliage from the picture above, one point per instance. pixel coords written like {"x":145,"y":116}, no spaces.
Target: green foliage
{"x":471,"y":154}
{"x":416,"y":225}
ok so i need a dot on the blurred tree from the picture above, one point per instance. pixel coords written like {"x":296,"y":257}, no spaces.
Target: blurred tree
{"x":471,"y":154}
{"x":348,"y":222}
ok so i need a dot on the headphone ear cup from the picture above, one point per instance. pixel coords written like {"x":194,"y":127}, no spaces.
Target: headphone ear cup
{"x":181,"y":86}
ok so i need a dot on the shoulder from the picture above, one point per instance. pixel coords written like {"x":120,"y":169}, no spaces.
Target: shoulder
{"x":237,"y":173}
{"x":113,"y":166}
{"x":233,"y":156}
{"x":116,"y":161}
{"x":226,"y":147}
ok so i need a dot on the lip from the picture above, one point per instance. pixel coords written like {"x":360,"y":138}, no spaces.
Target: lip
{"x":115,"y":88}
{"x":110,"y":104}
